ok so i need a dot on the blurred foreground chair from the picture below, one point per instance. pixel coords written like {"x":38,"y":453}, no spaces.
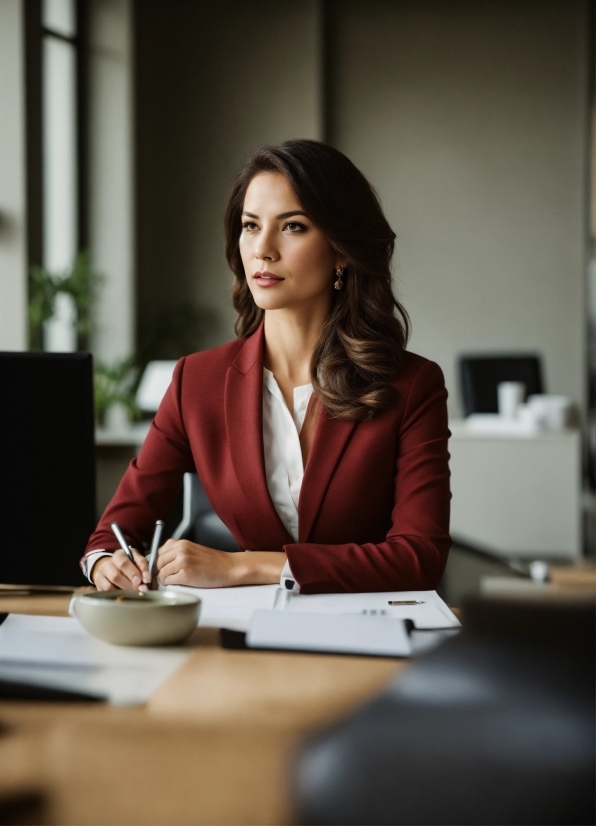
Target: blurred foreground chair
{"x":480,"y":376}
{"x":495,"y":726}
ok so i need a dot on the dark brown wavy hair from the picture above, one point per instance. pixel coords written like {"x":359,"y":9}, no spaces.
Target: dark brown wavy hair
{"x":360,"y":347}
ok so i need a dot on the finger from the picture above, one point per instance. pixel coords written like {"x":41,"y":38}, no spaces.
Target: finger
{"x":102,"y":583}
{"x":167,"y":548}
{"x":178,"y":578}
{"x":170,"y":570}
{"x":168,"y":552}
{"x":142,"y":565}
{"x":128,"y":569}
{"x":169,"y":542}
{"x":119,"y":579}
{"x":140,"y":560}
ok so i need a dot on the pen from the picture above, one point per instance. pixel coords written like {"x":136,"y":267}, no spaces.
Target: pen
{"x":155,"y":547}
{"x":8,"y":590}
{"x":123,"y":543}
{"x":406,"y":602}
{"x":30,"y":592}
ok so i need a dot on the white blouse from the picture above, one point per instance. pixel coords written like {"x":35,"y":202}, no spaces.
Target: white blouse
{"x":284,"y":468}
{"x":283,"y":455}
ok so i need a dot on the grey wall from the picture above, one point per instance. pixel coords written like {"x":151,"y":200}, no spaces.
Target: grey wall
{"x":470,"y":117}
{"x":214,"y":80}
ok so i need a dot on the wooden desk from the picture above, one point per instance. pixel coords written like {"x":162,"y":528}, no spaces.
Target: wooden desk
{"x":213,"y":745}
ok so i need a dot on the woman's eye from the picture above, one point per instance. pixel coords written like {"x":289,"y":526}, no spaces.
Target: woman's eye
{"x":294,"y":226}
{"x":249,"y":225}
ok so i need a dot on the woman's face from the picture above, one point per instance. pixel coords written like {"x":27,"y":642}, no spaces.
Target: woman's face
{"x":288,"y":261}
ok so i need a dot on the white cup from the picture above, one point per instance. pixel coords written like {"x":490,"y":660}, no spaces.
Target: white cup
{"x":553,"y":412}
{"x":528,"y":417}
{"x":511,"y":395}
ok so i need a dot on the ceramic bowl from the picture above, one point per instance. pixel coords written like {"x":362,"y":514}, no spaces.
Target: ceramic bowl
{"x":138,"y":617}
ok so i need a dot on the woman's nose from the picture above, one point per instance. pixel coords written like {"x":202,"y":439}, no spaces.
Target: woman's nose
{"x":265,"y":249}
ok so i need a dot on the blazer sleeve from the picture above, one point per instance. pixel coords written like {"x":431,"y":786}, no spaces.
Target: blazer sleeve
{"x":414,"y":553}
{"x":149,"y":488}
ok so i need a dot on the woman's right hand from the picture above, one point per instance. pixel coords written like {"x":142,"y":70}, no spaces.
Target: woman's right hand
{"x":117,"y":571}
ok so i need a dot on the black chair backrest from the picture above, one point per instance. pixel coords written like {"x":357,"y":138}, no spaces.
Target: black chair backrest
{"x":47,"y":466}
{"x":480,"y":376}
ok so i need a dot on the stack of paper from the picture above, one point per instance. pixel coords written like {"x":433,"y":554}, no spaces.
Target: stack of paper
{"x":57,"y":652}
{"x":234,"y":607}
{"x":365,"y":623}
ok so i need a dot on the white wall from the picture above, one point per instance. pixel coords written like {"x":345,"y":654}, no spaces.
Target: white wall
{"x":13,"y":230}
{"x":470,"y":117}
{"x":111,"y":174}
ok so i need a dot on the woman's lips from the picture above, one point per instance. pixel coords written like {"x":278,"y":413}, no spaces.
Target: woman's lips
{"x":267,"y":279}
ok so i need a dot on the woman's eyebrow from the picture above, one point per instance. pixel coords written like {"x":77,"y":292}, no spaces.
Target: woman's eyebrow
{"x":280,"y":216}
{"x":289,"y":214}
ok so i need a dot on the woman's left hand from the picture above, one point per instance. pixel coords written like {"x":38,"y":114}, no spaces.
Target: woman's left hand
{"x":181,"y":562}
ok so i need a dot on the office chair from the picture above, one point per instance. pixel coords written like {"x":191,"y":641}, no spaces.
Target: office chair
{"x":196,"y":520}
{"x":494,"y":726}
{"x":480,"y":376}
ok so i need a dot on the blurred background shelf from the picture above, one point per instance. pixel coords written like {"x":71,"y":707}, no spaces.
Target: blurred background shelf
{"x":134,"y":436}
{"x":517,"y":496}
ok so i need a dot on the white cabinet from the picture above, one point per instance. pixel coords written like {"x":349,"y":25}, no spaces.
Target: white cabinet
{"x":514,"y":495}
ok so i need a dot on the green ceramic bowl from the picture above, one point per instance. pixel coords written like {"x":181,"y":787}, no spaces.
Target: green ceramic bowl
{"x":138,"y":617}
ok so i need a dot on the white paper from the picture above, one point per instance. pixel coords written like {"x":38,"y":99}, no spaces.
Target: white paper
{"x":233,"y":607}
{"x":431,"y":613}
{"x":332,"y":633}
{"x":230,"y":607}
{"x":57,"y":651}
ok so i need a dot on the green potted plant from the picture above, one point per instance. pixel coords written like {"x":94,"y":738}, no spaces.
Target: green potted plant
{"x":114,"y":392}
{"x":80,"y":282}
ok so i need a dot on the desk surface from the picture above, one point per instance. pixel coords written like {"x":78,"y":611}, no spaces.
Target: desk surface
{"x":212,"y":745}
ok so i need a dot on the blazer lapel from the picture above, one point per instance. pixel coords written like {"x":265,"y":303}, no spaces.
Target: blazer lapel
{"x":244,"y":428}
{"x":330,"y":439}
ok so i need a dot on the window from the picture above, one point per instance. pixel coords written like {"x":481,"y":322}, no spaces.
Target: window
{"x":55,"y":155}
{"x":59,"y":134}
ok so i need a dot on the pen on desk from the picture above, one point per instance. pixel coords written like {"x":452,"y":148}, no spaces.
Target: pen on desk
{"x":155,"y":548}
{"x":122,"y":541}
{"x":405,"y":602}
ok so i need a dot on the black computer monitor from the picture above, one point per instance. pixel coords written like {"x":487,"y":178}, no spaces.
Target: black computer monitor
{"x":47,"y":466}
{"x":481,"y":375}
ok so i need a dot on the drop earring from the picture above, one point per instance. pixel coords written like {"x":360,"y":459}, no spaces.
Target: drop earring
{"x":339,"y":283}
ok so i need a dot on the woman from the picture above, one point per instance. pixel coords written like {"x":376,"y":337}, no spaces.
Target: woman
{"x":320,"y":442}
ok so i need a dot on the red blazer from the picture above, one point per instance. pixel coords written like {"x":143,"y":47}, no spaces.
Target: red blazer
{"x":374,"y":504}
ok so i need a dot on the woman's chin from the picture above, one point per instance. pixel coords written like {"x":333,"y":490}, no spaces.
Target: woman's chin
{"x":270,"y":302}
